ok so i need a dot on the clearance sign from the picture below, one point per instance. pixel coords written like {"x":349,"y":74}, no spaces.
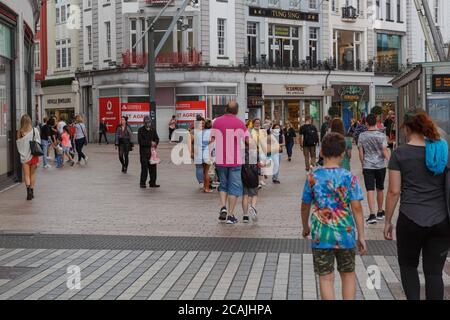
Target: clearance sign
{"x":187,"y":111}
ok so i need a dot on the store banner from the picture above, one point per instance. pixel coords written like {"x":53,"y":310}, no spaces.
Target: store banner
{"x":187,"y":111}
{"x":135,"y":111}
{"x":109,"y":110}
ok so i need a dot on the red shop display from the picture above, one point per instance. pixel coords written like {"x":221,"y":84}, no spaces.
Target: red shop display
{"x":135,"y":111}
{"x":109,"y":110}
{"x":187,"y":111}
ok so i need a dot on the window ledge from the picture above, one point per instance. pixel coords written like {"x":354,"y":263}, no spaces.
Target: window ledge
{"x":388,"y":20}
{"x":87,"y":9}
{"x":106,"y":4}
{"x":88,"y":63}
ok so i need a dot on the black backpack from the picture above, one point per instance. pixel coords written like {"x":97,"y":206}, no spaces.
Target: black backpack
{"x":311,"y":137}
{"x":250,"y":176}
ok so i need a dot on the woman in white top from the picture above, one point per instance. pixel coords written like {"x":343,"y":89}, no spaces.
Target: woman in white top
{"x":80,"y":138}
{"x":25,"y":135}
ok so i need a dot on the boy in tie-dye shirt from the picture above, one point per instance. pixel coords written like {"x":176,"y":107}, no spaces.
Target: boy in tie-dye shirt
{"x":335,"y":195}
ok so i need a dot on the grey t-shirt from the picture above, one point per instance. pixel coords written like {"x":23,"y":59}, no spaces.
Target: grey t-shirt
{"x":81,"y":131}
{"x":422,"y":198}
{"x":373,"y":142}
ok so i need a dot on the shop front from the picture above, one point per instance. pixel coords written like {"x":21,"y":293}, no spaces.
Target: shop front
{"x":62,"y":106}
{"x":350,"y":102}
{"x":6,"y":105}
{"x":292,"y":103}
{"x":210,"y":98}
{"x":255,"y":102}
{"x":386,"y":98}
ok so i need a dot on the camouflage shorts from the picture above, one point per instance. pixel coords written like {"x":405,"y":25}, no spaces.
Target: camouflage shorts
{"x":324,"y":260}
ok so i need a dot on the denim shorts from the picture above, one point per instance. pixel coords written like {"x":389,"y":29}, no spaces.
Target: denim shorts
{"x":230,"y":180}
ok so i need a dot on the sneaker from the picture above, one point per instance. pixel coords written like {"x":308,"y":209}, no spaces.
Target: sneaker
{"x":276,"y":181}
{"x":262,"y":183}
{"x":253,"y":213}
{"x":86,"y":160}
{"x":47,"y":166}
{"x":246,"y":219}
{"x":259,"y":186}
{"x":72,"y":163}
{"x":372,"y":219}
{"x":380,"y":215}
{"x":232,"y":220}
{"x":223,"y":214}
{"x":201,"y":186}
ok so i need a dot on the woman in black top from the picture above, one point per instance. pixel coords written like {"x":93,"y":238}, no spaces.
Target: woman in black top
{"x":123,"y":142}
{"x":289,"y":133}
{"x":423,"y":224}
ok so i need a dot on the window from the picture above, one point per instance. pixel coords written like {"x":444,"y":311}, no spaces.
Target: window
{"x":252,"y":42}
{"x":89,"y":42}
{"x":274,"y":3}
{"x":313,"y":4}
{"x":436,"y":11}
{"x":108,"y":38}
{"x":57,"y":15}
{"x":294,"y":4}
{"x":63,"y":54}
{"x":388,"y":10}
{"x":389,"y":52}
{"x":347,"y":49}
{"x":284,"y":46}
{"x":133,"y":39}
{"x":88,"y":3}
{"x":68,"y":11}
{"x":313,"y":37}
{"x":378,"y":10}
{"x":333,"y":5}
{"x":63,"y":14}
{"x":37,"y":56}
{"x":399,"y":11}
{"x":221,"y":24}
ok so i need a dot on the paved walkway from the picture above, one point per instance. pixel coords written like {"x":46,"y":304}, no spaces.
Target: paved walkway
{"x":99,"y":199}
{"x":255,"y":272}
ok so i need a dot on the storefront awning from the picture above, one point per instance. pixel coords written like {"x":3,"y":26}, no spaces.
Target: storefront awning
{"x":406,"y":77}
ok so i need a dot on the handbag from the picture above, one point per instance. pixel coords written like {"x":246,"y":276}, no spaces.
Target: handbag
{"x":35,"y":147}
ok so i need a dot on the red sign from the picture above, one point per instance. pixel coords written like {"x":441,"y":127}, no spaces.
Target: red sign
{"x":135,"y":111}
{"x":109,"y":111}
{"x":187,"y":111}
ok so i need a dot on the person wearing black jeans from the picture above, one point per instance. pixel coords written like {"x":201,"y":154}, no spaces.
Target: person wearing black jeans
{"x":80,"y":139}
{"x":123,"y":142}
{"x":423,"y":225}
{"x":290,"y":139}
{"x":102,"y":131}
{"x":147,"y":138}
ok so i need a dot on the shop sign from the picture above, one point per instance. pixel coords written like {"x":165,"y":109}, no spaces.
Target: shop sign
{"x":282,"y":31}
{"x":441,"y":83}
{"x":351,"y":93}
{"x":135,"y":111}
{"x":59,"y":101}
{"x":109,"y":110}
{"x":254,"y":89}
{"x":222,"y":90}
{"x":294,"y":90}
{"x":187,"y":111}
{"x":283,"y":14}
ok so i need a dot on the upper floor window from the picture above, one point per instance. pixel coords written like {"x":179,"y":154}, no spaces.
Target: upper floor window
{"x":88,"y":3}
{"x":313,"y":4}
{"x":294,"y":4}
{"x":63,"y":54}
{"x":399,"y":11}
{"x":274,"y":3}
{"x":378,"y":9}
{"x":89,"y":41}
{"x":108,"y":38}
{"x":37,"y":56}
{"x":62,"y":13}
{"x":221,"y":27}
{"x":388,"y":10}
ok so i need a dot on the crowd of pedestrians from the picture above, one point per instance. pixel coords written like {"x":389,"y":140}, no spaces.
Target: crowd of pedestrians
{"x":237,"y":158}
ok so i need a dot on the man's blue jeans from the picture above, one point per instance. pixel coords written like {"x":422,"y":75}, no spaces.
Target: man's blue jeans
{"x":199,"y":173}
{"x":45,"y":144}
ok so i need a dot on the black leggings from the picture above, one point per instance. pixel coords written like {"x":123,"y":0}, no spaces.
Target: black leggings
{"x":79,"y":144}
{"x":434,"y":243}
{"x":124,"y":149}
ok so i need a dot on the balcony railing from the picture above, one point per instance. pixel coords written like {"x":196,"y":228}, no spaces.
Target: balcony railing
{"x":156,"y":2}
{"x":169,"y":59}
{"x":349,"y":14}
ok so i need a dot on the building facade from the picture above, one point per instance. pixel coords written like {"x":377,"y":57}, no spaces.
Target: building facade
{"x":279,"y":59}
{"x":17,"y":24}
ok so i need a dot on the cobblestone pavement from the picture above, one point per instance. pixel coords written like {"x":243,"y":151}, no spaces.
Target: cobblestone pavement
{"x":99,"y":199}
{"x":161,"y":273}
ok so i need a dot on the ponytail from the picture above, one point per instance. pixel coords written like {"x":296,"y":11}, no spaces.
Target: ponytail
{"x":421,"y":123}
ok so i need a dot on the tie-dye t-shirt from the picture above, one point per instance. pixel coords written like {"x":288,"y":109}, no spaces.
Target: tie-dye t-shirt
{"x":330,"y":191}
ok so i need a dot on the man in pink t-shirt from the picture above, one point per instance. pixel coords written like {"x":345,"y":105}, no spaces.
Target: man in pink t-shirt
{"x":229,"y":134}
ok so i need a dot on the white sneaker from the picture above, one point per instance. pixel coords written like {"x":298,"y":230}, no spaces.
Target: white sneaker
{"x":262,"y":183}
{"x":253,"y":214}
{"x":86,"y":160}
{"x":201,"y":186}
{"x":47,"y":166}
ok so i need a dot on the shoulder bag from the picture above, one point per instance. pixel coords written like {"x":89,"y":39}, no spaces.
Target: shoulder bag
{"x":35,"y":147}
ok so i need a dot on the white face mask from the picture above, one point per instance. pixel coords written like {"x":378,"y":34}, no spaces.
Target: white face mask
{"x":276,"y":131}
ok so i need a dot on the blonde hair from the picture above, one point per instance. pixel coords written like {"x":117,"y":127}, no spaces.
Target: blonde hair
{"x":25,"y":125}
{"x":78,"y":119}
